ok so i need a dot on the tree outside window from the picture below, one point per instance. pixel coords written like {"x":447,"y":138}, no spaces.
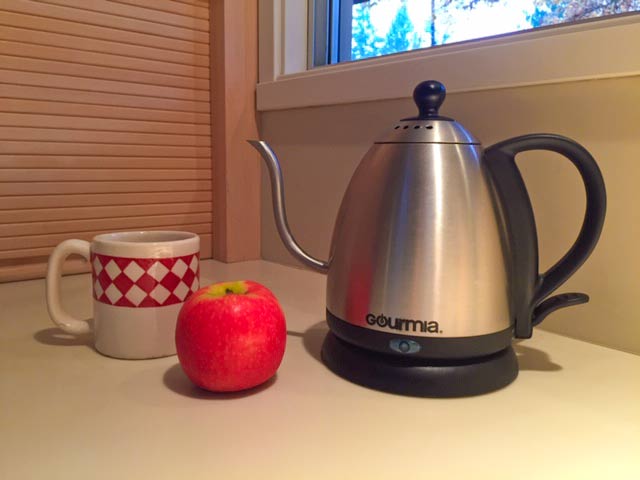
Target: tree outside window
{"x":381,"y":27}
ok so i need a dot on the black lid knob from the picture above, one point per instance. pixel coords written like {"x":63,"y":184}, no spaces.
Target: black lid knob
{"x":428,"y":96}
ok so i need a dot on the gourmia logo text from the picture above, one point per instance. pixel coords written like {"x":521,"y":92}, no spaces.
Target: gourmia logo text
{"x":404,"y":324}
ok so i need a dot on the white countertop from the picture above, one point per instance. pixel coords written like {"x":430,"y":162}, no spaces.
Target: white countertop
{"x":68,"y":412}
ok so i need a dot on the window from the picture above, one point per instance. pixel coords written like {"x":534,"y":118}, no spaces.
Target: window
{"x":356,"y":29}
{"x":582,"y":50}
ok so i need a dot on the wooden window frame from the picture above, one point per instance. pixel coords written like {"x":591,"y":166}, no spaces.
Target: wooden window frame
{"x":236,"y":166}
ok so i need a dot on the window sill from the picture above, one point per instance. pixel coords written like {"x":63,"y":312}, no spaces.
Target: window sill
{"x":589,"y":50}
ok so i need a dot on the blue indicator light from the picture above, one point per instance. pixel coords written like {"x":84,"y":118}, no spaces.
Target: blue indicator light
{"x":403,"y":345}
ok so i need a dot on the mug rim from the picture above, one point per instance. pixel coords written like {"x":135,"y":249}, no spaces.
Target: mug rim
{"x":115,"y":238}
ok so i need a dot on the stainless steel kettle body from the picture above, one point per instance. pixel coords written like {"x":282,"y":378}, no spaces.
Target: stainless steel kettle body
{"x":418,"y":251}
{"x":434,"y":251}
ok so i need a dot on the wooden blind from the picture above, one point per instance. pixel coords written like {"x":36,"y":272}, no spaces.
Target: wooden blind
{"x":104,"y":124}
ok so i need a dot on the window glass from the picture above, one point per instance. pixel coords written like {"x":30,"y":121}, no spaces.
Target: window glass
{"x":381,"y":27}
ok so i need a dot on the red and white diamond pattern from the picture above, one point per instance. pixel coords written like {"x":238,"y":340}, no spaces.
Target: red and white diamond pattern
{"x":144,"y":282}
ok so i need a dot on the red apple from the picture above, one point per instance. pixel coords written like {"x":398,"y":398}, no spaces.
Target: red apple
{"x":231,"y":336}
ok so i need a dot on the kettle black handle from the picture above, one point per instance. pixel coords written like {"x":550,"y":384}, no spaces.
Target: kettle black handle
{"x":530,"y":307}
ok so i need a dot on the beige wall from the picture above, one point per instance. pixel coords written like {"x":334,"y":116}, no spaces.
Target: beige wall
{"x":320,"y":148}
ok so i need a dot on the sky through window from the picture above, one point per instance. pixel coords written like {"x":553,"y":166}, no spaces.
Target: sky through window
{"x":381,"y":27}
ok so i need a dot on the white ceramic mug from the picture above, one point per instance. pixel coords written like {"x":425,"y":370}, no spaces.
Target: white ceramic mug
{"x":139,"y":281}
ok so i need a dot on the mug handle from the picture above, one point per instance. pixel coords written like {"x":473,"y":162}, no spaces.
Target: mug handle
{"x":61,"y":318}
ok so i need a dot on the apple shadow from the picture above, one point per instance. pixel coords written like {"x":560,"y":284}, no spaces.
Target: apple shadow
{"x":59,"y":338}
{"x":176,"y":380}
{"x":530,"y":358}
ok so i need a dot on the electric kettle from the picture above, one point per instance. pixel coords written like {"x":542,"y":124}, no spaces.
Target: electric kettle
{"x":433,"y":263}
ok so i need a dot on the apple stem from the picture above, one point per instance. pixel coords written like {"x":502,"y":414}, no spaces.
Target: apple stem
{"x":228,"y":291}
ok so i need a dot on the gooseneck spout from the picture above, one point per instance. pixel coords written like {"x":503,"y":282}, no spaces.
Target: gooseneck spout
{"x":277,"y":196}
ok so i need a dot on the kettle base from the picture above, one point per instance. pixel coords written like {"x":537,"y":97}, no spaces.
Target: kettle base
{"x":420,"y":377}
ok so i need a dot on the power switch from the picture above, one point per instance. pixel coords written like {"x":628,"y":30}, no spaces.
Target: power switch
{"x":403,"y":345}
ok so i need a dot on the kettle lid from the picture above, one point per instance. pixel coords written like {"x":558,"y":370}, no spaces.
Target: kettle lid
{"x":428,"y":126}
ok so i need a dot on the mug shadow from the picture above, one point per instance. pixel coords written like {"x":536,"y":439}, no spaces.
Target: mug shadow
{"x":59,"y":338}
{"x":529,"y":358}
{"x":176,"y":380}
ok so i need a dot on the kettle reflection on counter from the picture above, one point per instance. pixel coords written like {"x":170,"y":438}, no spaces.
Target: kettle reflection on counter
{"x":433,"y":264}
